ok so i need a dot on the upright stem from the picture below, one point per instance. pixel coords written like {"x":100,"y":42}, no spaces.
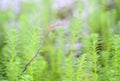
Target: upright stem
{"x":37,"y":51}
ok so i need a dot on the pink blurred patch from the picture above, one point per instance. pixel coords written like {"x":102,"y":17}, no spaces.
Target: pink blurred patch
{"x":58,"y":24}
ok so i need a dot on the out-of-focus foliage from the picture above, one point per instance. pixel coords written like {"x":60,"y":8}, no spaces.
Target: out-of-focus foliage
{"x":84,"y":48}
{"x":3,"y":19}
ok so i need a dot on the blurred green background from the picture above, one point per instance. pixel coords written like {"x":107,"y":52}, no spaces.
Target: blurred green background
{"x":85,"y":47}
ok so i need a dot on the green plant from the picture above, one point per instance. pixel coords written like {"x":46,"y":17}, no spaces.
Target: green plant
{"x":29,"y":54}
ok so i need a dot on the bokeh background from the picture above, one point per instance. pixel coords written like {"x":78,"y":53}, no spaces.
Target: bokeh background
{"x":83,"y":43}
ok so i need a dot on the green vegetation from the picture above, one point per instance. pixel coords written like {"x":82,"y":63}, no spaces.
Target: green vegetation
{"x":59,"y":58}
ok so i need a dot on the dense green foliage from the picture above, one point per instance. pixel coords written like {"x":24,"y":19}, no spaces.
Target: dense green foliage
{"x":97,"y":59}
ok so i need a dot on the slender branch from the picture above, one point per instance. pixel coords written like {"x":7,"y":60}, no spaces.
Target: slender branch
{"x":37,"y":51}
{"x":52,"y":27}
